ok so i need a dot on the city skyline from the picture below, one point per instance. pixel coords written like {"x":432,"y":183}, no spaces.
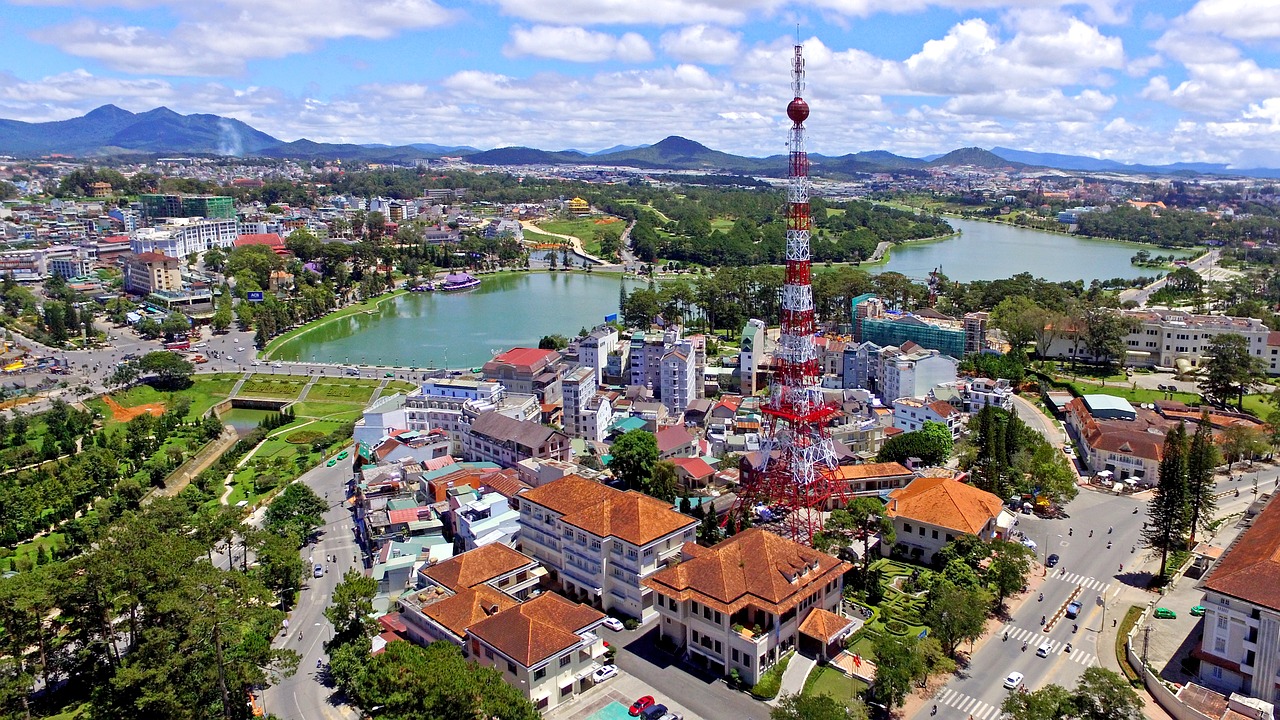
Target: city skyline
{"x":1130,"y":81}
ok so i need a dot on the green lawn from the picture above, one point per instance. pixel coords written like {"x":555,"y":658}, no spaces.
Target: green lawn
{"x":205,"y":392}
{"x":53,"y":542}
{"x":403,"y":386}
{"x":323,"y":409}
{"x":342,"y":392}
{"x":724,"y":224}
{"x":582,"y":228}
{"x":284,"y":387}
{"x":825,"y":680}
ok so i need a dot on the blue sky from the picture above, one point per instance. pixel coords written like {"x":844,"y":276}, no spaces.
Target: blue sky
{"x":1132,"y":80}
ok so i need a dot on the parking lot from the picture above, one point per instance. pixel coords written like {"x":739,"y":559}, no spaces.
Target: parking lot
{"x":623,"y":689}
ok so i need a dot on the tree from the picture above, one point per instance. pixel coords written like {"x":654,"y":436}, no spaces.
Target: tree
{"x":1021,"y":320}
{"x":1202,"y":458}
{"x":663,"y":482}
{"x":932,"y":444}
{"x":1103,"y":694}
{"x":1050,"y":702}
{"x":1230,"y":370}
{"x":553,"y":342}
{"x":1105,"y":331}
{"x":1011,"y":563}
{"x":1167,"y":512}
{"x":297,"y":510}
{"x":634,"y":455}
{"x":351,"y":611}
{"x":170,"y":368}
{"x":222,"y":314}
{"x":1242,"y":442}
{"x":794,"y":706}
{"x":898,"y":663}
{"x":956,"y":614}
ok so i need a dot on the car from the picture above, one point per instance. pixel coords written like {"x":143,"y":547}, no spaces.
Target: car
{"x":653,"y":712}
{"x":239,"y":349}
{"x":1073,"y":609}
{"x":671,"y":716}
{"x":1165,"y":614}
{"x":257,"y":363}
{"x":388,"y":375}
{"x":613,"y":624}
{"x":1013,"y":681}
{"x":343,"y":455}
{"x":1051,"y":561}
{"x":353,"y":371}
{"x":1045,"y":647}
{"x":1197,"y":611}
{"x":603,"y":673}
{"x":277,"y":364}
{"x":641,"y":705}
{"x":318,"y":570}
{"x":332,"y":462}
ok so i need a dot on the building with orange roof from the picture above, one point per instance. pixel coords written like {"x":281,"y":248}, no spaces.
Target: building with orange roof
{"x":528,"y":371}
{"x":600,"y":543}
{"x":868,"y":480}
{"x":496,"y":565}
{"x":933,"y":511}
{"x":741,"y":604}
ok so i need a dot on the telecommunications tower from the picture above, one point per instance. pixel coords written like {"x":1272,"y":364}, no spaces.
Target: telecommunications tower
{"x":797,"y":460}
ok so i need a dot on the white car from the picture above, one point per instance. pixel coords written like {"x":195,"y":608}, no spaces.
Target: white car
{"x":1043,"y":650}
{"x":277,"y":364}
{"x":604,"y":673}
{"x":1013,"y":681}
{"x":613,"y":624}
{"x":257,"y":363}
{"x":318,"y":570}
{"x":239,"y":349}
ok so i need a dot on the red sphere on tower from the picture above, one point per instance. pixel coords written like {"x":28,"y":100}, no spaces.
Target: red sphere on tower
{"x":798,"y":111}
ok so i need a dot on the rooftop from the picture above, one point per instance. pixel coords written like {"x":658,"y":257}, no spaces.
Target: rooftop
{"x":944,"y":502}
{"x":1250,"y":568}
{"x":477,"y":567}
{"x":604,"y":511}
{"x":537,"y":629}
{"x":468,"y":607}
{"x":525,"y":359}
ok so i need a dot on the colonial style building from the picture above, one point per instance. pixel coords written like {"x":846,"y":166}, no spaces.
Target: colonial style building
{"x":933,"y":511}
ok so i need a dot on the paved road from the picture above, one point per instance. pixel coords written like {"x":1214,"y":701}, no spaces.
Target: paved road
{"x":1038,"y":421}
{"x":308,"y":695}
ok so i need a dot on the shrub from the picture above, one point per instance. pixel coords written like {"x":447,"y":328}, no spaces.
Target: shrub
{"x":771,"y":681}
{"x":630,"y":623}
{"x":303,"y":437}
{"x":897,"y":627}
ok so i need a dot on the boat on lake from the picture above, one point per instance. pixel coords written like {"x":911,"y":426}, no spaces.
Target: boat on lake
{"x":455,"y":282}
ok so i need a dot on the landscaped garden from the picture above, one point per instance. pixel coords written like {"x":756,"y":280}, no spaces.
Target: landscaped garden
{"x":826,"y":680}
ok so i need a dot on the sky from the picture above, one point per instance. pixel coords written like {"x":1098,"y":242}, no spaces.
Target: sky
{"x":1131,"y":80}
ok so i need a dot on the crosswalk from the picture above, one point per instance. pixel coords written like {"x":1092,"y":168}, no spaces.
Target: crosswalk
{"x":1077,"y":579}
{"x":1035,"y":638}
{"x":965,"y":704}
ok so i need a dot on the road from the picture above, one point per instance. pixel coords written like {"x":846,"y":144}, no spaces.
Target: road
{"x":1141,"y":295}
{"x":1038,"y":421}
{"x":308,"y":695}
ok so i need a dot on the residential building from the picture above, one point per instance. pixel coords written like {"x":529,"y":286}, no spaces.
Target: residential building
{"x":928,"y":329}
{"x":1169,"y":338}
{"x":179,"y":206}
{"x":680,"y":380}
{"x":752,"y":354}
{"x":145,"y":273}
{"x":586,"y":413}
{"x":594,"y":349}
{"x":742,"y":604}
{"x":543,"y":647}
{"x":933,"y":511}
{"x":496,"y":566}
{"x":978,"y":393}
{"x":894,"y":372}
{"x":536,"y":472}
{"x":1113,"y":436}
{"x":601,"y":543}
{"x":675,"y":441}
{"x":450,"y":404}
{"x":528,"y":371}
{"x":381,"y":418}
{"x":868,"y":480}
{"x":910,"y":414}
{"x":496,"y":438}
{"x":1240,"y":646}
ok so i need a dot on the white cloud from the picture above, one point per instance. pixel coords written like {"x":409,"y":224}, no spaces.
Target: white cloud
{"x":1105,"y":11}
{"x":702,"y":44}
{"x":575,"y":44}
{"x":1236,"y":19}
{"x":1086,"y":106}
{"x":647,"y":12}
{"x":1220,"y":81}
{"x":219,"y":36}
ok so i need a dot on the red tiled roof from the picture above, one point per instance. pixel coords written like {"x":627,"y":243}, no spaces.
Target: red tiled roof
{"x":119,"y":239}
{"x":408,"y":515}
{"x":476,"y":567}
{"x":468,"y":607}
{"x":526,"y":359}
{"x":270,"y":239}
{"x":603,"y":511}
{"x":944,"y":502}
{"x":943,"y":409}
{"x":672,"y":437}
{"x":153,"y":257}
{"x":1250,"y":569}
{"x":870,"y":470}
{"x":695,"y":466}
{"x":824,"y":624}
{"x":536,"y":629}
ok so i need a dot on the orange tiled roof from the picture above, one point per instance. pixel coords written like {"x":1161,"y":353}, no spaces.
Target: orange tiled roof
{"x":870,"y":470}
{"x":471,"y":605}
{"x":603,"y":511}
{"x":536,"y":629}
{"x":476,"y":567}
{"x":1250,"y":569}
{"x":754,"y":567}
{"x":944,"y":502}
{"x":824,"y":624}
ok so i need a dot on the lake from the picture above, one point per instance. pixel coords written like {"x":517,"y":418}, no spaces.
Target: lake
{"x":516,"y":309}
{"x":990,"y":251}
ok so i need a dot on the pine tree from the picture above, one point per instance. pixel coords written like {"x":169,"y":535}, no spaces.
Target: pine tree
{"x":1202,"y":458}
{"x":1167,"y":512}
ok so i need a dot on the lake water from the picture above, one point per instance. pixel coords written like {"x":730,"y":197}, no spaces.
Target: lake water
{"x":244,"y":419}
{"x":466,"y":329}
{"x":990,"y":251}
{"x":462,"y":329}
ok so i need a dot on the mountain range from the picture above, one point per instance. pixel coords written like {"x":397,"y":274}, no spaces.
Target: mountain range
{"x":111,"y":131}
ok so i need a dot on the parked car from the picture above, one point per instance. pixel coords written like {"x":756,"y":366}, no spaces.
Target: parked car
{"x":604,"y":673}
{"x":641,"y":705}
{"x":613,"y":624}
{"x":1197,"y":611}
{"x":1073,"y":609}
{"x":1051,"y":561}
{"x":1013,"y":681}
{"x":318,"y":570}
{"x":654,"y":712}
{"x":1165,"y":614}
{"x":277,"y":364}
{"x":672,"y":716}
{"x":1045,"y":647}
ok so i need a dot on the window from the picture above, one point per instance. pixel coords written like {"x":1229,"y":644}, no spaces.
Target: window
{"x":1222,"y":622}
{"x":566,"y":690}
{"x":906,"y":527}
{"x":718,"y":650}
{"x":631,"y":553}
{"x":488,"y":654}
{"x":694,"y":635}
{"x":564,"y":660}
{"x":935,"y":534}
{"x":921,"y":532}
{"x":648,"y":552}
{"x":539,"y":674}
{"x":595,"y":545}
{"x":1217,"y":672}
{"x":717,"y":617}
{"x":1220,"y":645}
{"x":511,"y":667}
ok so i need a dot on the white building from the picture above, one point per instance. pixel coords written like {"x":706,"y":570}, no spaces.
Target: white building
{"x":680,"y":379}
{"x":910,"y":414}
{"x":933,"y":511}
{"x":893,"y":372}
{"x":1168,"y":338}
{"x":751,"y":354}
{"x":180,"y":237}
{"x":594,"y":349}
{"x":601,"y":543}
{"x":586,"y":414}
{"x":450,"y":404}
{"x":382,"y":417}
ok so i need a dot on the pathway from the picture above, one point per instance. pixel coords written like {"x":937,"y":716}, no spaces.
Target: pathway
{"x":797,"y":672}
{"x":307,"y":388}
{"x":377,"y":393}
{"x":235,"y":389}
{"x":180,"y":478}
{"x":574,"y":242}
{"x":881,"y":248}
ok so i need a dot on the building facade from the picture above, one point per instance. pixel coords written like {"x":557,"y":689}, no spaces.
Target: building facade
{"x":145,"y":273}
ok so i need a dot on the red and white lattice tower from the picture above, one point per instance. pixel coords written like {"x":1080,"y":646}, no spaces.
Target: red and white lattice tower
{"x":797,"y":457}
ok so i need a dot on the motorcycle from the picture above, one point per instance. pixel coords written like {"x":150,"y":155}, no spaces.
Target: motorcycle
{"x":1024,"y":646}
{"x":1067,"y":648}
{"x":1135,"y":510}
{"x":1108,"y":544}
{"x":1041,"y":597}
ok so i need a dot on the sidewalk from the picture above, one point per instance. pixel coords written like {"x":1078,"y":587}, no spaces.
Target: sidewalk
{"x":798,"y":669}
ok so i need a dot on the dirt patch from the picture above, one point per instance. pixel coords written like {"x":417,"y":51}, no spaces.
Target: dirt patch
{"x":120,"y":413}
{"x":608,"y":221}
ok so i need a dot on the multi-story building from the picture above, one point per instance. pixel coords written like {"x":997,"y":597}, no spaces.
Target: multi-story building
{"x":528,"y":371}
{"x":874,"y":323}
{"x":1168,"y":338}
{"x":180,"y":237}
{"x":145,"y":273}
{"x":894,"y":372}
{"x":587,"y":414}
{"x":933,"y":511}
{"x":868,"y":480}
{"x":742,"y":604}
{"x":910,"y":414}
{"x":1240,"y":648}
{"x":680,"y":380}
{"x":601,"y":543}
{"x":496,"y":438}
{"x":751,"y":354}
{"x":176,"y":206}
{"x":594,"y":349}
{"x":450,"y":404}
{"x":67,"y":261}
{"x":1113,"y":436}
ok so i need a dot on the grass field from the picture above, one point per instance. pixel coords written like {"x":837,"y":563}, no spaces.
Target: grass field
{"x":399,"y":386}
{"x":329,"y":410}
{"x":278,"y":456}
{"x":205,"y":392}
{"x":272,"y":386}
{"x":582,"y":228}
{"x":346,"y":392}
{"x":724,"y":224}
{"x":824,"y":680}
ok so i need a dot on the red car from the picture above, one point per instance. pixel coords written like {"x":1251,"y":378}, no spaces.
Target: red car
{"x":641,"y":705}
